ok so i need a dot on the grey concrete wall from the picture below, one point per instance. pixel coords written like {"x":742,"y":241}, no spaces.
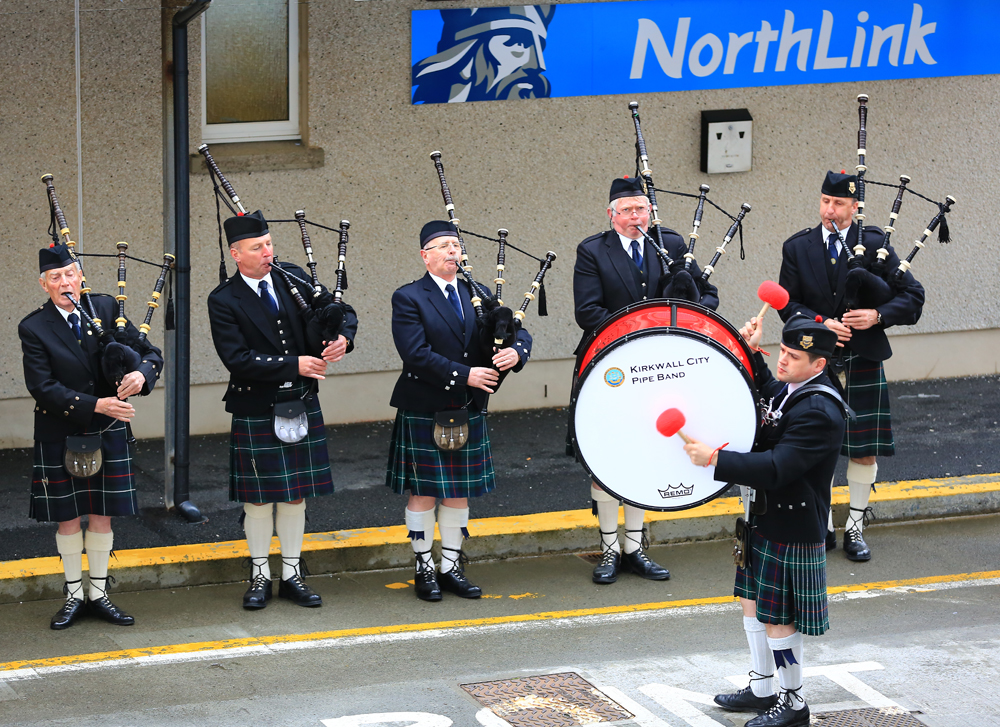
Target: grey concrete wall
{"x":540,"y":168}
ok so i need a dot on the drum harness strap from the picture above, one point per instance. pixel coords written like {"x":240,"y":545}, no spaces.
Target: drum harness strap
{"x":808,"y":390}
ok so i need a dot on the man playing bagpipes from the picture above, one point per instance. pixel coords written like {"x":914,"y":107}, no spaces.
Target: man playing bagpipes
{"x":278,"y":452}
{"x":614,"y":269}
{"x":82,"y":462}
{"x":440,"y":443}
{"x":782,"y":583}
{"x":815,"y":271}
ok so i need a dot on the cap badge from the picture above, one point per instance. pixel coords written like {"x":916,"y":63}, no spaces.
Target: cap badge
{"x":850,"y":187}
{"x":806,"y":342}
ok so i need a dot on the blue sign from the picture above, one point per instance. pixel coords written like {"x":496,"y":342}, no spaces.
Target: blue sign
{"x":644,"y":46}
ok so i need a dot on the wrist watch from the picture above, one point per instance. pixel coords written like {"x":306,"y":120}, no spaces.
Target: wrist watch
{"x":878,"y":318}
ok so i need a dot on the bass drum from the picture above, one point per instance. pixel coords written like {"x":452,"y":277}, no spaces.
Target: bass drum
{"x":648,"y":358}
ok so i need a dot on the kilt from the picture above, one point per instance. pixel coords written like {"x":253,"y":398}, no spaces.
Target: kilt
{"x":868,"y":395}
{"x":788,"y":583}
{"x":417,"y":465}
{"x":262,"y":468}
{"x":57,"y":497}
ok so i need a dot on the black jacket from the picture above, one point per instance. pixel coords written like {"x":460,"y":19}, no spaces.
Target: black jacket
{"x":64,"y":376}
{"x":793,"y":463}
{"x":438,"y":350}
{"x":261,"y":352}
{"x":605,"y":279}
{"x":803,"y":275}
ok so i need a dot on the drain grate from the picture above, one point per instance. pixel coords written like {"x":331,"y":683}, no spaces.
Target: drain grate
{"x":592,"y":558}
{"x":550,"y":700}
{"x":869,"y":717}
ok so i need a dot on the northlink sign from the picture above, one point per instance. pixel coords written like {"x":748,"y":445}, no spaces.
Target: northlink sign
{"x":533,"y":51}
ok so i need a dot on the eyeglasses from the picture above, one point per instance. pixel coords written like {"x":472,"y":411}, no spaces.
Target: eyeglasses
{"x":629,"y":211}
{"x":445,"y":245}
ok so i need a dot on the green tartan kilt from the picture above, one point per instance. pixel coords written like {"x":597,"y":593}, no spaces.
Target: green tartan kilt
{"x":788,"y":583}
{"x":417,"y":465}
{"x":262,"y":468}
{"x":58,"y":497}
{"x":868,"y":395}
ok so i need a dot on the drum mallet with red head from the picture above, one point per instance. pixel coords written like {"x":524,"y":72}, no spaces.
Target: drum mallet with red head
{"x":670,"y":422}
{"x":773,"y":295}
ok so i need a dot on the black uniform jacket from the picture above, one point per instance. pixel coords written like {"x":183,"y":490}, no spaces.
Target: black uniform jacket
{"x":438,"y":349}
{"x":793,"y":463}
{"x":605,"y":279}
{"x":261,"y":353}
{"x":64,"y":376}
{"x":803,"y":275}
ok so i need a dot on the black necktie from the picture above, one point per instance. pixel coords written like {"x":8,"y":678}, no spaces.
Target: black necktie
{"x":265,"y":296}
{"x":832,"y":248}
{"x":831,"y":258}
{"x":74,"y":320}
{"x":455,"y":302}
{"x":636,"y":255}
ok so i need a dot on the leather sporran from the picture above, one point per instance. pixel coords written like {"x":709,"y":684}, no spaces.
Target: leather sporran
{"x":290,"y":421}
{"x":451,"y":429}
{"x":741,"y":544}
{"x":84,"y":456}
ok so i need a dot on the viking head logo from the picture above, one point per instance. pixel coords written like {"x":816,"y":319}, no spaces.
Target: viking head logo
{"x":486,"y":54}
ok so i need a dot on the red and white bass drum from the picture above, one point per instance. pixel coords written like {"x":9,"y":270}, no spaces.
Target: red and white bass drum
{"x":645,"y":359}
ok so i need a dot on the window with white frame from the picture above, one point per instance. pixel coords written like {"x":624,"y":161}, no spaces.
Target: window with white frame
{"x":250,"y":71}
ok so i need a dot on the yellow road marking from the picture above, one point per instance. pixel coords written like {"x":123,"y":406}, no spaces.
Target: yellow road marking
{"x":202,"y":646}
{"x":513,"y":525}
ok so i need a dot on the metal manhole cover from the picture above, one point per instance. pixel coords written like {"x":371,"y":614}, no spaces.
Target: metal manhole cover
{"x":550,"y":700}
{"x":869,"y":717}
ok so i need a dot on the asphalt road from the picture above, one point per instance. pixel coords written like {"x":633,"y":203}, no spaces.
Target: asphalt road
{"x":943,"y":427}
{"x":915,"y":629}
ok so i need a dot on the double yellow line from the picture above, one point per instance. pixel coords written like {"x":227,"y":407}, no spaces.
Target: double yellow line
{"x":265,"y":641}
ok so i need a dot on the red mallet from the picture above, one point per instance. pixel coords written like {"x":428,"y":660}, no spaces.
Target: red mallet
{"x":670,"y":422}
{"x":773,"y":295}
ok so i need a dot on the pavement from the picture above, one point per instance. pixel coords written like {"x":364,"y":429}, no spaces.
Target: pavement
{"x":914,"y":630}
{"x":947,"y":454}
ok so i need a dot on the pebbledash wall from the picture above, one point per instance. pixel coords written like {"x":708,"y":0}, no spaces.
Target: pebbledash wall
{"x":540,"y":167}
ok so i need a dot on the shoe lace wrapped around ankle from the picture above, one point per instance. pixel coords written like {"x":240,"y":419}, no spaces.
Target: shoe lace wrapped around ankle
{"x":867,"y":514}
{"x":104,"y":590}
{"x":784,"y":701}
{"x":643,"y":541}
{"x":459,"y":568}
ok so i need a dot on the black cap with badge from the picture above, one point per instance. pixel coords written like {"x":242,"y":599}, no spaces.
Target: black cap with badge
{"x":809,"y":334}
{"x":840,"y":185}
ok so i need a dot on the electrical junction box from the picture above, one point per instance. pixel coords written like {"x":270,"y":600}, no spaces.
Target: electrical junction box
{"x":726,"y":141}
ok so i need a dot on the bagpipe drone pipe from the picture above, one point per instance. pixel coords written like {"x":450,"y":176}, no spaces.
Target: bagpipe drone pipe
{"x":323,"y":311}
{"x":872,"y":282}
{"x":122,"y":347}
{"x":497,"y":324}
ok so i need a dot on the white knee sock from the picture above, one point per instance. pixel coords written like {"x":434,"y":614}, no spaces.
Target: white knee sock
{"x":634,"y":517}
{"x":788,"y":660}
{"x":259,"y":526}
{"x":421,"y":528}
{"x":829,"y":518}
{"x":860,"y":478}
{"x":453,"y":523}
{"x":99,"y":547}
{"x":761,"y":657}
{"x":290,"y":525}
{"x":607,"y":518}
{"x":70,"y":548}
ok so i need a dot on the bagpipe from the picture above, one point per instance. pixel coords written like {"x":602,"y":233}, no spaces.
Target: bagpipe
{"x":496,"y":324}
{"x":676,"y":280}
{"x":122,"y":347}
{"x":870,"y":283}
{"x":323,"y":312}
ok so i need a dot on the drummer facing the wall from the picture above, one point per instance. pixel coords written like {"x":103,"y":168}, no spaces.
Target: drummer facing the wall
{"x":615,"y":269}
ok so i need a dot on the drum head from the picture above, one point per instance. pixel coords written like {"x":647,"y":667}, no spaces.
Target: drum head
{"x":629,"y":384}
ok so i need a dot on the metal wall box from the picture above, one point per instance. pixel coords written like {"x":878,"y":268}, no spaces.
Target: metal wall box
{"x":726,"y":141}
